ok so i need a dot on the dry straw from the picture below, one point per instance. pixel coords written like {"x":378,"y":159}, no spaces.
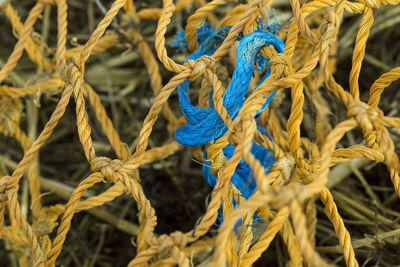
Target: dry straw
{"x":284,"y":197}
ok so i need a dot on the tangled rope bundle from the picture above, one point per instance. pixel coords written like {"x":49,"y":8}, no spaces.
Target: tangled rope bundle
{"x":231,"y":119}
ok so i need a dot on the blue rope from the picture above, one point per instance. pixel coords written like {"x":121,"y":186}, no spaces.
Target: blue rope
{"x":203,"y":32}
{"x":208,"y":47}
{"x":205,"y":125}
{"x":242,"y":178}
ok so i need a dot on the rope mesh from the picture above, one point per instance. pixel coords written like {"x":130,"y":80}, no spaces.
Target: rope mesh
{"x":284,"y":196}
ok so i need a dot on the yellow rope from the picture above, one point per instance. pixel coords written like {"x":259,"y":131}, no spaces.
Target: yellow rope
{"x":284,"y":197}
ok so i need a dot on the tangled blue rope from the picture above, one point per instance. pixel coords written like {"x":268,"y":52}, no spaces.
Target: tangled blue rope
{"x":205,"y":125}
{"x":242,"y":178}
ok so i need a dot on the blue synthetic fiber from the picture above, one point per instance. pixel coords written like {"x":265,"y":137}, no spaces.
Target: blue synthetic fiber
{"x":242,"y":178}
{"x":179,"y":41}
{"x":262,"y":62}
{"x":205,"y":124}
{"x":272,"y":28}
{"x":204,"y":31}
{"x":208,"y":47}
{"x":264,"y":131}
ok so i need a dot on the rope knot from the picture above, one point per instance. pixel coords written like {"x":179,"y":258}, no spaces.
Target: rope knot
{"x":373,"y":4}
{"x":235,"y":134}
{"x":107,"y":167}
{"x":165,"y":242}
{"x":331,"y":23}
{"x":285,"y":165}
{"x":6,"y":183}
{"x":280,"y":66}
{"x":199,"y":66}
{"x":71,"y":73}
{"x":179,"y":239}
{"x":114,"y":169}
{"x":217,"y":159}
{"x":98,"y":163}
{"x":364,"y":114}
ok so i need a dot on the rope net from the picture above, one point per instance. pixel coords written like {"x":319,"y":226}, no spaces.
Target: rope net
{"x":261,"y":170}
